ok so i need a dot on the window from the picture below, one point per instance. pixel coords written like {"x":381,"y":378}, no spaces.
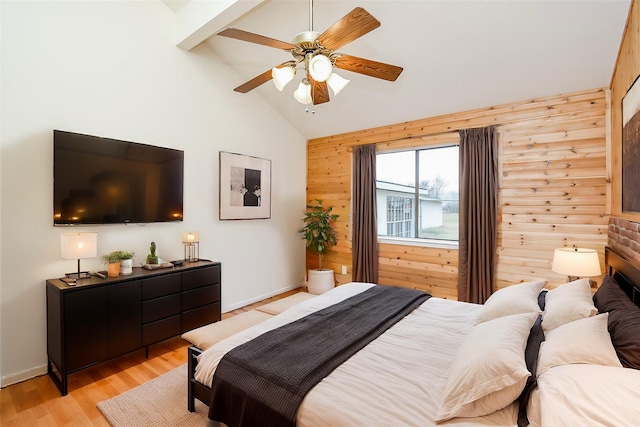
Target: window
{"x":428,"y":210}
{"x":399,"y":216}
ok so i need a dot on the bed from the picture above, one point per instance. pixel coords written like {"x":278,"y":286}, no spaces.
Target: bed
{"x":508,"y":362}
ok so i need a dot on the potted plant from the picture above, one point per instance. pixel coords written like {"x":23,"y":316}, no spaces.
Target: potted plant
{"x":320,"y":236}
{"x":152,"y":258}
{"x":114,"y":260}
{"x":126,"y":263}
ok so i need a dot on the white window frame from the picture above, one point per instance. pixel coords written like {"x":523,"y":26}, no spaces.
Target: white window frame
{"x":419,"y":241}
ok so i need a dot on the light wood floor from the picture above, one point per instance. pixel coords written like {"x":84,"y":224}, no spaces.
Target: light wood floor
{"x":37,"y":402}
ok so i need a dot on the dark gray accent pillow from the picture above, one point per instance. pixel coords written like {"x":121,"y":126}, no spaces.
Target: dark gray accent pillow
{"x":610,"y":296}
{"x":624,"y":321}
{"x":542,"y":298}
{"x":536,"y":336}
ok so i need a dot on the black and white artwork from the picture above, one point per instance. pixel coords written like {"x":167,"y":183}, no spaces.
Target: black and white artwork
{"x":245,"y":187}
{"x":631,"y":149}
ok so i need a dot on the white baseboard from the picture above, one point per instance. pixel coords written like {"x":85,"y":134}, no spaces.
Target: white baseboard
{"x":259,"y":298}
{"x":23,"y":376}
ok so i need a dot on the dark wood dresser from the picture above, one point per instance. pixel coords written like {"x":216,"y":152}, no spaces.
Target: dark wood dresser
{"x":99,"y":319}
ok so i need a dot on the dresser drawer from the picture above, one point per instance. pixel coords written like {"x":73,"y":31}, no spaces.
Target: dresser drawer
{"x":200,"y":316}
{"x":201,"y":296}
{"x":160,"y":286}
{"x":160,"y":308}
{"x":160,"y":330}
{"x":200,"y":277}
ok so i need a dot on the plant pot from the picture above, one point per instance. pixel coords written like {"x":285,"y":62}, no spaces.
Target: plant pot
{"x":126,"y":267}
{"x":320,"y":281}
{"x":113,"y":269}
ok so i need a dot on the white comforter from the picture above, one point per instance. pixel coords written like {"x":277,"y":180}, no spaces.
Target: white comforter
{"x":584,"y":395}
{"x":397,"y":380}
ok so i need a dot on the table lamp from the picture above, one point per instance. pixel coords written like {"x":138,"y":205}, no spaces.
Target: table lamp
{"x":191,"y":242}
{"x":78,"y":246}
{"x":576,"y":262}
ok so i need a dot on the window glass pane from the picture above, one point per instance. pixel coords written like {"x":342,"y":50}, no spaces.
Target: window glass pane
{"x":438,"y":182}
{"x":395,"y":182}
{"x":431,"y":212}
{"x":397,"y":168}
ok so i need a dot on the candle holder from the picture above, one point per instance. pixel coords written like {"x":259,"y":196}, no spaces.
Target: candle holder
{"x":191,"y":242}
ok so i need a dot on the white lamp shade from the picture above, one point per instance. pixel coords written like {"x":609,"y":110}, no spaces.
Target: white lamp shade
{"x":303,"y":93}
{"x":320,"y":68}
{"x":337,"y":83}
{"x":576,"y":262}
{"x":282,"y":76}
{"x":79,"y":245}
{"x":191,"y":237}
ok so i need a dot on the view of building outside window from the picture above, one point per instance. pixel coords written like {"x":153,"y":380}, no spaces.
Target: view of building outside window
{"x":428,"y":210}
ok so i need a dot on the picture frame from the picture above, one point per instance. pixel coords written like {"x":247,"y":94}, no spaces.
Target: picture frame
{"x":245,"y":187}
{"x":631,"y":148}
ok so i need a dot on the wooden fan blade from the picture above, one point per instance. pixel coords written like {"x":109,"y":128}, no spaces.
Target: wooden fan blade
{"x":262,"y":78}
{"x":368,"y":67}
{"x":254,"y":82}
{"x":319,"y":91}
{"x":246,"y":36}
{"x":353,"y":25}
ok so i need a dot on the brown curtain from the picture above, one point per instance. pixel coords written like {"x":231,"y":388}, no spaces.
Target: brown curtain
{"x":365,"y":230}
{"x":478,"y":213}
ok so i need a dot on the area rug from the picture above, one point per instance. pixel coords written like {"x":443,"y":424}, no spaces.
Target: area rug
{"x":159,"y":402}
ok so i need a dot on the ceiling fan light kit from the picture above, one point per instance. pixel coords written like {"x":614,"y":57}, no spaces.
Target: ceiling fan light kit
{"x":303,"y":93}
{"x":316,"y":52}
{"x":320,"y":68}
{"x":337,"y":83}
{"x":282,"y":75}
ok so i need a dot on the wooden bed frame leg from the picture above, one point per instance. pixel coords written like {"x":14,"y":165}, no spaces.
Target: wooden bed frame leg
{"x":196,"y":390}
{"x":192,"y":361}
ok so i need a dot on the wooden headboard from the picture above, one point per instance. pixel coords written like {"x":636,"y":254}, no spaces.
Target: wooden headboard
{"x":625,"y":271}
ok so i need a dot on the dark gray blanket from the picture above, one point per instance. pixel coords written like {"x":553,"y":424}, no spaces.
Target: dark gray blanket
{"x":262,"y":382}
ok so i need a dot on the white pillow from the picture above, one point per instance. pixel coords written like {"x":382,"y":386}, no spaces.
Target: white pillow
{"x":589,"y":395}
{"x":582,"y":341}
{"x":489,"y":371}
{"x":566,"y":303}
{"x":514,"y":299}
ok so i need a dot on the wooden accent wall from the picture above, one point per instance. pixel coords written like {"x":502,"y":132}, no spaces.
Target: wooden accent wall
{"x":626,"y":71}
{"x":553,"y":188}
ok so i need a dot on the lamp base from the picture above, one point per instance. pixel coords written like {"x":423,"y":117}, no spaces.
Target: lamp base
{"x":78,"y":275}
{"x":592,"y":283}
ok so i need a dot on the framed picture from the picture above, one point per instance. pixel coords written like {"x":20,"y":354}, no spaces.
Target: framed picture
{"x":631,"y":148}
{"x":245,"y":187}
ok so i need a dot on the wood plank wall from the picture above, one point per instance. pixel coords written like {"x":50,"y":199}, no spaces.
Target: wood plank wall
{"x":553,"y":188}
{"x":626,"y":71}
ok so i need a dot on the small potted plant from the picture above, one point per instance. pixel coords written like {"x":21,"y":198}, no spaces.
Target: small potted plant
{"x":114,"y":260}
{"x":320,"y":236}
{"x":126,"y":263}
{"x":152,"y":258}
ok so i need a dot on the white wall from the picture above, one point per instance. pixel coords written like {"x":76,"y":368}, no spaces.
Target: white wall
{"x":111,"y":69}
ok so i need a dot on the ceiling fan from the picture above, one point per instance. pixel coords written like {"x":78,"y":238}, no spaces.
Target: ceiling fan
{"x":316,"y":52}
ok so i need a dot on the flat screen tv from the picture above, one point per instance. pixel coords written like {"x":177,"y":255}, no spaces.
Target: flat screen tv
{"x":107,"y":181}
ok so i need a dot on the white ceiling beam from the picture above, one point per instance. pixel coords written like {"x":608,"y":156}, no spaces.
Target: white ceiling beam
{"x":199,"y":20}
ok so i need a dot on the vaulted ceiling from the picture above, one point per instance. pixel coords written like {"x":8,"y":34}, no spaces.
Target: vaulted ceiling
{"x":456,"y":55}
